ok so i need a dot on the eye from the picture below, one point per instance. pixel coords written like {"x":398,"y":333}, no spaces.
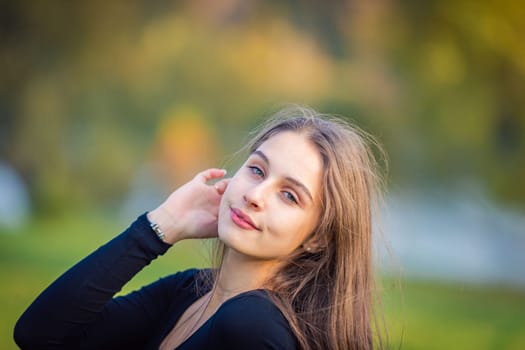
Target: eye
{"x":289,"y":197}
{"x":256,"y":171}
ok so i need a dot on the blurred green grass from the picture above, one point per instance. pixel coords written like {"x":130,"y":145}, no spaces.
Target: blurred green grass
{"x":419,"y":315}
{"x":430,"y":315}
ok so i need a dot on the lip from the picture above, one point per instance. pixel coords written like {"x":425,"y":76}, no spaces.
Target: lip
{"x":242,"y":220}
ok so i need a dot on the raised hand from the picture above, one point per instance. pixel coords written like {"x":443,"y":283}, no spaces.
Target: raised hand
{"x":191,"y":211}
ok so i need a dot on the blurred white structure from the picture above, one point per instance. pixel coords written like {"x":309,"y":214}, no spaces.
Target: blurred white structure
{"x":14,"y":199}
{"x":454,"y":237}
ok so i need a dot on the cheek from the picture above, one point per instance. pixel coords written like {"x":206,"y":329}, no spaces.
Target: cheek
{"x":292,"y":227}
{"x":222,"y":207}
{"x":230,"y":190}
{"x":228,"y":198}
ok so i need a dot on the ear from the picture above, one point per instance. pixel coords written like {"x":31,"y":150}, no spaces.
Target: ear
{"x":313,"y":245}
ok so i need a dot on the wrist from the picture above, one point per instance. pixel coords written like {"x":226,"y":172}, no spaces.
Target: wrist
{"x":164,"y":226}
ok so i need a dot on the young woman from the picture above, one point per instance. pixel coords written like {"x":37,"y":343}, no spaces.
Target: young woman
{"x":294,"y":228}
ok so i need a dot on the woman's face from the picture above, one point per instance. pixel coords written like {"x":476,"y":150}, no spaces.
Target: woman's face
{"x":273,"y":202}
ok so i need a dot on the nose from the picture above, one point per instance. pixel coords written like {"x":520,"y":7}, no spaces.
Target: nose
{"x":254,"y":196}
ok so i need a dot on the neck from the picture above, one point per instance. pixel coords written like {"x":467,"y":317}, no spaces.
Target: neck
{"x":240,"y":273}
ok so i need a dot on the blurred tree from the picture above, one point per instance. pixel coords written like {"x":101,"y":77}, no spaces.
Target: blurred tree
{"x":83,"y":85}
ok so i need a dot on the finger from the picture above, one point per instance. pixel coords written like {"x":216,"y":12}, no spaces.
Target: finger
{"x":211,"y":174}
{"x":221,"y":186}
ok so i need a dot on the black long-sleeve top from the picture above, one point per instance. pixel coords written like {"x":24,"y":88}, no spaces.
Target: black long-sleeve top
{"x":79,"y":311}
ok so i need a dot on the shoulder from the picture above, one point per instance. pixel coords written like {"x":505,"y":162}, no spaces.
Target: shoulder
{"x":252,"y":320}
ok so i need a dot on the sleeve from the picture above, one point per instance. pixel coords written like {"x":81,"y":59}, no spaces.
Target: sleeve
{"x":252,"y":322}
{"x":78,"y":310}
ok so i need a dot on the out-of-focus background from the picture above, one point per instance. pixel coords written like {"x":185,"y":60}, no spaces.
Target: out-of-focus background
{"x":106,"y":106}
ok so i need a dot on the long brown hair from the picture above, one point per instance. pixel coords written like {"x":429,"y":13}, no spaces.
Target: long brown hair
{"x":328,"y":293}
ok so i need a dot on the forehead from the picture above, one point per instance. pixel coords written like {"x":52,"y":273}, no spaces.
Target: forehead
{"x":292,"y":154}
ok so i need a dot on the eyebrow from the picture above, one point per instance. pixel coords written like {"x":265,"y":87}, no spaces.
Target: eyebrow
{"x":288,"y":178}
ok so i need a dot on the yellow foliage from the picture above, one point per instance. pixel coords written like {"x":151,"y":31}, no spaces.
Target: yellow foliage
{"x":185,"y":143}
{"x":277,"y":59}
{"x":442,"y":63}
